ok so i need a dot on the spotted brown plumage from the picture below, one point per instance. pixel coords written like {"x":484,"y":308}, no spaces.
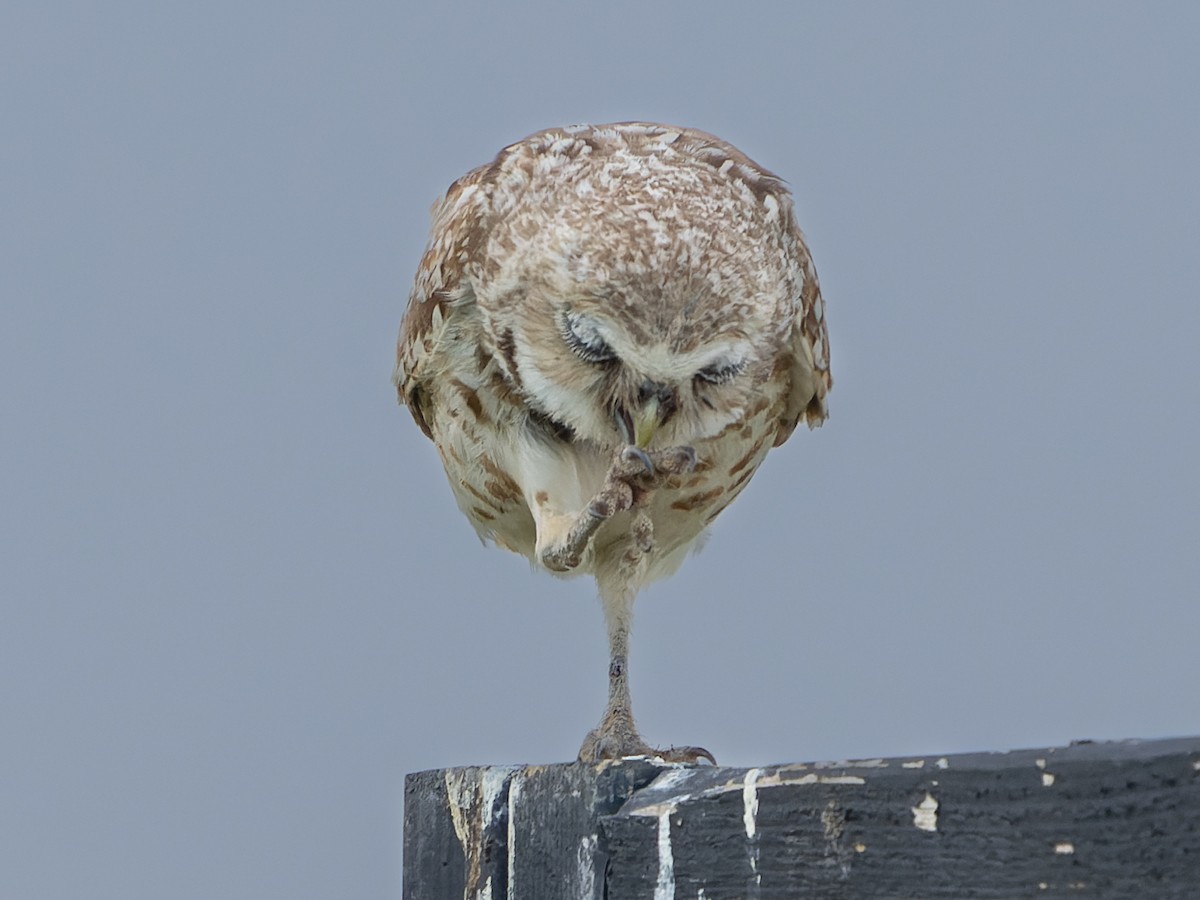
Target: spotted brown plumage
{"x":610,"y":328}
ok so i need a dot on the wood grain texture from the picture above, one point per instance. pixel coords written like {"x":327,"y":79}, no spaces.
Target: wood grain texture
{"x":1110,"y":820}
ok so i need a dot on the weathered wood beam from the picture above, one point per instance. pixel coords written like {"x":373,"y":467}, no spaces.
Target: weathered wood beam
{"x":1111,"y":820}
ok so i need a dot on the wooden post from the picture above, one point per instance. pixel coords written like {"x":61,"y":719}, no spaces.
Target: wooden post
{"x":1111,"y":820}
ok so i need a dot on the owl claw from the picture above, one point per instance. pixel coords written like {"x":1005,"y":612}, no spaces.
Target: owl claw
{"x":637,"y":454}
{"x":672,"y":461}
{"x":677,"y":461}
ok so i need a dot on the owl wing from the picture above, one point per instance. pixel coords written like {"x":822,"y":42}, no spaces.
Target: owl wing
{"x":440,"y":288}
{"x":806,"y":349}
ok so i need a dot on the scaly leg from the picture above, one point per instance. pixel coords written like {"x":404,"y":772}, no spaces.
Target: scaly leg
{"x":617,"y":736}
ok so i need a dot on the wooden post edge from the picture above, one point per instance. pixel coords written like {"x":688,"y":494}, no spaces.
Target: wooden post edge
{"x":1113,"y":819}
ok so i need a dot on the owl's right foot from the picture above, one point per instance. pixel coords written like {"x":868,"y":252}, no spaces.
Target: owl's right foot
{"x":633,"y":476}
{"x":617,"y":738}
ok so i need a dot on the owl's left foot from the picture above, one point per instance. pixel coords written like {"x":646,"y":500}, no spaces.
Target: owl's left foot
{"x":634,"y":474}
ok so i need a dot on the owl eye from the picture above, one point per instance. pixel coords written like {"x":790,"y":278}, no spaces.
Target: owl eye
{"x":722,"y":372}
{"x":583,"y":337}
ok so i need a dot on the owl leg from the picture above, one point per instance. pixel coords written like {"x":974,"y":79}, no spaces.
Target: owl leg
{"x":633,"y":476}
{"x":617,"y":736}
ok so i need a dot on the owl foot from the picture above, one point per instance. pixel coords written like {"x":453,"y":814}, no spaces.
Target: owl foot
{"x":618,"y":739}
{"x":634,"y":474}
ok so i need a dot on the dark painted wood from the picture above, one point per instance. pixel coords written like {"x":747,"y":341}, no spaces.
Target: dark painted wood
{"x":456,"y":825}
{"x":1110,"y":820}
{"x":458,"y":822}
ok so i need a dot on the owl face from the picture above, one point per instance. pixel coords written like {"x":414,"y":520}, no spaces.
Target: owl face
{"x":633,"y":373}
{"x":635,"y":292}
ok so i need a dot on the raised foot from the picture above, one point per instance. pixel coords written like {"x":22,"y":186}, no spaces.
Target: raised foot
{"x":633,"y":476}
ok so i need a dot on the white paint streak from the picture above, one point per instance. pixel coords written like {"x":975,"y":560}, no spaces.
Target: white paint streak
{"x":1047,"y":779}
{"x":760,"y":781}
{"x":1064,"y":848}
{"x":456,"y":795}
{"x":925,"y":813}
{"x":664,"y":888}
{"x":585,"y":858}
{"x":915,"y":764}
{"x":750,"y":802}
{"x":813,"y":778}
{"x":493,"y":783}
{"x":673,"y":777}
{"x":514,"y":793}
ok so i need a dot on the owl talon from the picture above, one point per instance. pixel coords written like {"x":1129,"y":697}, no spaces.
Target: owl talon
{"x":689,"y":755}
{"x":637,"y":454}
{"x":560,"y":559}
{"x":676,"y":461}
{"x":601,"y":508}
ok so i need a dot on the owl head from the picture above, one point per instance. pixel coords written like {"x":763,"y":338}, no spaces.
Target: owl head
{"x":644,"y":311}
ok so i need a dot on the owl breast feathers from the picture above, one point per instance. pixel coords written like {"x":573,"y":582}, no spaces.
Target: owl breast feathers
{"x":591,"y":289}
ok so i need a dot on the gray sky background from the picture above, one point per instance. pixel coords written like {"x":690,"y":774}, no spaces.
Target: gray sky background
{"x":238,"y":600}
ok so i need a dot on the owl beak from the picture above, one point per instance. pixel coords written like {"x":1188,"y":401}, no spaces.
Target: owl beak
{"x":638,"y":423}
{"x":646,"y":419}
{"x":637,"y":430}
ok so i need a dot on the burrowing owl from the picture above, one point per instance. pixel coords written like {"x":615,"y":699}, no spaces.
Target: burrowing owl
{"x":609,"y":329}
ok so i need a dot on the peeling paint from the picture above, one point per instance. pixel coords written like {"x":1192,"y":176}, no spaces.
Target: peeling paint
{"x":463,"y":799}
{"x":585,"y":858}
{"x":1064,"y":848}
{"x":942,"y":763}
{"x":915,"y":764}
{"x":471,"y":796}
{"x":833,"y":821}
{"x":860,"y":847}
{"x":1196,"y":765}
{"x":1040,"y":763}
{"x":514,"y":794}
{"x":494,"y":779}
{"x":457,"y":795}
{"x":813,"y":778}
{"x":760,"y":780}
{"x":876,"y":763}
{"x":925,"y":813}
{"x":750,"y":802}
{"x":1047,"y":779}
{"x":664,"y":888}
{"x":750,"y":821}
